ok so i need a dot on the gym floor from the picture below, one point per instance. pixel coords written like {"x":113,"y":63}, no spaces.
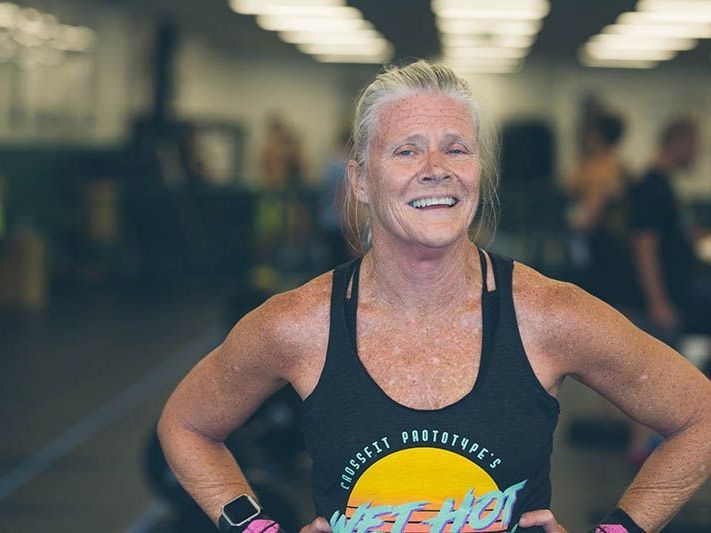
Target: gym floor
{"x":83,"y":383}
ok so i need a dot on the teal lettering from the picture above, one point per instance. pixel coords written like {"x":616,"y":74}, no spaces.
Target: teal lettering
{"x":510,"y":495}
{"x":341,"y":524}
{"x":371,"y":517}
{"x":403,"y":513}
{"x":476,"y":521}
{"x":338,"y":522}
{"x":448,"y":514}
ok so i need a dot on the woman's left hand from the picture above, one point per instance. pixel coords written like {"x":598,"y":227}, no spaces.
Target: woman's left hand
{"x":543,"y":518}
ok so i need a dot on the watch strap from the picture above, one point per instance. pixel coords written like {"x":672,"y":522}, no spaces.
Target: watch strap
{"x":260,"y":524}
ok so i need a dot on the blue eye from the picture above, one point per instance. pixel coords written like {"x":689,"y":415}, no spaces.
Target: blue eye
{"x":405,"y":152}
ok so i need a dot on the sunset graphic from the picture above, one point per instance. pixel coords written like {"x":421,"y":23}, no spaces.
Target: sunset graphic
{"x":428,"y":489}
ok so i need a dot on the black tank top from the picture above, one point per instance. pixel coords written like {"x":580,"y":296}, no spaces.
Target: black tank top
{"x":474,"y":465}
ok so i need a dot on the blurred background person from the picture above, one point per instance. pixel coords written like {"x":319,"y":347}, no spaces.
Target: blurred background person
{"x":283,"y":172}
{"x":331,"y":196}
{"x":675,"y":299}
{"x":283,"y":164}
{"x":598,"y":186}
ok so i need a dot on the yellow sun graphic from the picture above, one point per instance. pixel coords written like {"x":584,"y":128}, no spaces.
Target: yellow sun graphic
{"x":424,"y":474}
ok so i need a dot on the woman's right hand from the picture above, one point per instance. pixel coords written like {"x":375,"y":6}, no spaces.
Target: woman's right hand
{"x":318,"y":525}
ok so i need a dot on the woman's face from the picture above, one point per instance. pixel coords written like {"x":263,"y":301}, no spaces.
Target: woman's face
{"x":422,"y":184}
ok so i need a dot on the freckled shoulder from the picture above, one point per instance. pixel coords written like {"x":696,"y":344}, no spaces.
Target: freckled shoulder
{"x":297,"y":322}
{"x":548,"y":312}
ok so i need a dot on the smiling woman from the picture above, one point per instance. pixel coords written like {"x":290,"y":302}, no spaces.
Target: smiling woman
{"x":429,"y":330}
{"x":478,"y":140}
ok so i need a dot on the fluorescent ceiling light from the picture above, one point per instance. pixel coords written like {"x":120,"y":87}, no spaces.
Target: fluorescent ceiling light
{"x":377,"y":48}
{"x":273,"y":23}
{"x":617,"y":63}
{"x":311,"y":11}
{"x":524,"y":27}
{"x":491,"y":13}
{"x":503,"y":9}
{"x":327,"y":29}
{"x":655,"y":32}
{"x":512,"y":41}
{"x":501,"y":69}
{"x":598,"y":51}
{"x":256,"y":7}
{"x":438,"y":5}
{"x":685,"y":31}
{"x":361,"y":36}
{"x":482,"y":67}
{"x":641,"y":43}
{"x":493,"y":53}
{"x":462,"y":62}
{"x":664,"y":17}
{"x":664,"y":6}
{"x":348,"y":58}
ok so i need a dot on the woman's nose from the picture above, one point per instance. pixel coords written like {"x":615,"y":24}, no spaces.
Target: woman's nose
{"x":434,"y":169}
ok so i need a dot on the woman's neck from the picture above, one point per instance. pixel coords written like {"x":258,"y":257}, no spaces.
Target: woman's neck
{"x":417,"y":280}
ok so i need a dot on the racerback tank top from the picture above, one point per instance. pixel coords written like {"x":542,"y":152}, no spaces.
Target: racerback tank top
{"x":474,"y":465}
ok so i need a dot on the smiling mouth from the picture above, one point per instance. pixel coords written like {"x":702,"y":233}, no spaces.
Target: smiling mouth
{"x":433,"y":203}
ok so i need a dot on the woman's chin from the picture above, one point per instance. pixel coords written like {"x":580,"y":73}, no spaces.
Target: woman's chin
{"x":439,"y":241}
{"x":429,"y":238}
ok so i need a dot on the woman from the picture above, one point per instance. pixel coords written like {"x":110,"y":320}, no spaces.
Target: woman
{"x":429,"y":367}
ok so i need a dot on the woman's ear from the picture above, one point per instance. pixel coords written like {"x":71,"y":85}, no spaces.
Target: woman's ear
{"x":356,"y":179}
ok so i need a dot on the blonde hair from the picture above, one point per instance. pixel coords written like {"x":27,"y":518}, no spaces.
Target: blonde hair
{"x":396,"y":82}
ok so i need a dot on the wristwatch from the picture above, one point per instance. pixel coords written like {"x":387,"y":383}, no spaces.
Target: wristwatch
{"x":238,"y":513}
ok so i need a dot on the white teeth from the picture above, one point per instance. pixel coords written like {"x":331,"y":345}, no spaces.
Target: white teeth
{"x":426,"y":202}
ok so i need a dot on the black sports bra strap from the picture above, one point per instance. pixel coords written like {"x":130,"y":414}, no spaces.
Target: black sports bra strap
{"x":355,"y":276}
{"x":351,"y":303}
{"x":339,"y":284}
{"x":484,"y":271}
{"x":494,"y":260}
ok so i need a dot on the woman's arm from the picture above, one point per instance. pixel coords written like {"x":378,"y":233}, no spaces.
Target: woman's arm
{"x":649,"y":381}
{"x":217,"y":396}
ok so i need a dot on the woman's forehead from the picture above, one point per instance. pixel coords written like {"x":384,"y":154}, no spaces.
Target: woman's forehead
{"x":417,"y":113}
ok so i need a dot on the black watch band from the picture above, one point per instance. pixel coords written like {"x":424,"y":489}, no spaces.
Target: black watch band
{"x":224,"y":525}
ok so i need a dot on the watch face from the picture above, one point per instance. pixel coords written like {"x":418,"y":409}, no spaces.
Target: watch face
{"x":240,"y":510}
